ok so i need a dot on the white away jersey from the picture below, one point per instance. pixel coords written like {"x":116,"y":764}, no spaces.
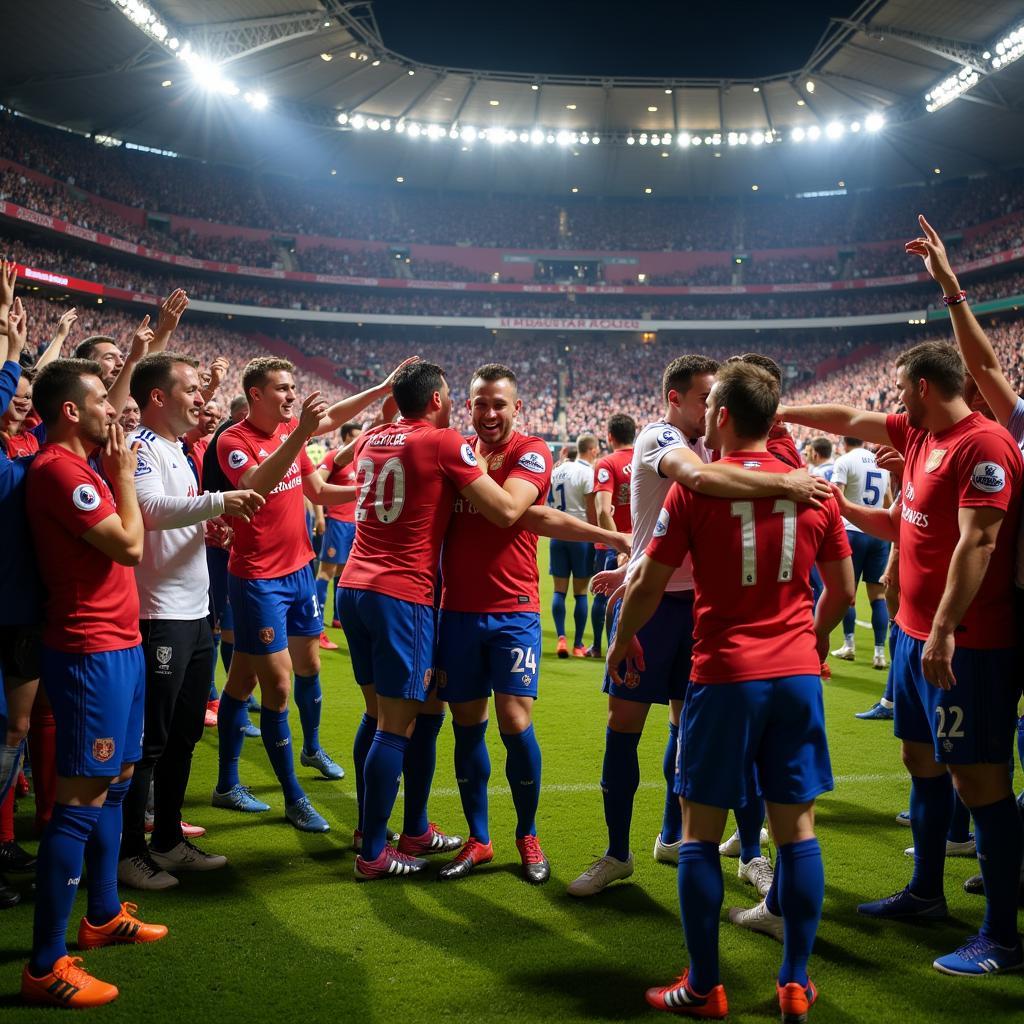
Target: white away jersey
{"x":172,"y":578}
{"x":648,"y":490}
{"x":865,"y":481}
{"x":571,"y":482}
{"x":825,"y":470}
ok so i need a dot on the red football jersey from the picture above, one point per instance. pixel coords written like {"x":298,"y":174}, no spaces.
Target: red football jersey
{"x":974,"y":464}
{"x":782,"y":446}
{"x":92,"y":604}
{"x":408,"y":474}
{"x":344,"y":477}
{"x":275,"y":541}
{"x":612,"y":474}
{"x":23,"y":443}
{"x":753,"y":614}
{"x":486,"y":568}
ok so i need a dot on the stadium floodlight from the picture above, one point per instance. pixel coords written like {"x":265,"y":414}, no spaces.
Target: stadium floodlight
{"x":733,"y":139}
{"x":798,"y":134}
{"x":643,"y":139}
{"x":1008,"y":49}
{"x":814,"y":133}
{"x":400,"y":127}
{"x":342,"y":118}
{"x":372,"y":123}
{"x":809,"y":86}
{"x":757,"y":138}
{"x":630,"y":140}
{"x":695,"y":141}
{"x":874,"y":122}
{"x":524,"y":137}
{"x":536,"y":136}
{"x":950,"y":88}
{"x":834,"y":129}
{"x":549,"y":138}
{"x":385,"y":125}
{"x":595,"y":140}
{"x":855,"y":127}
{"x":414,"y":130}
{"x":744,"y":138}
{"x":468,"y":134}
{"x":683,"y":139}
{"x":563,"y":138}
{"x":434,"y":132}
{"x":358,"y":121}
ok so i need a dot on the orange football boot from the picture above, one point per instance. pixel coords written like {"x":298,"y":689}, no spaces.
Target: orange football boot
{"x":326,"y":643}
{"x":66,"y":985}
{"x":680,"y":998}
{"x":562,"y":650}
{"x":795,"y":1000}
{"x":123,"y":929}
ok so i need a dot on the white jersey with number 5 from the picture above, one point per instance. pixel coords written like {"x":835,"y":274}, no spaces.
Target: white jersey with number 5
{"x":865,"y":481}
{"x":648,"y":489}
{"x":571,"y":482}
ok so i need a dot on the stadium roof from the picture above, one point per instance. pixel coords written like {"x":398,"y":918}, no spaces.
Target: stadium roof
{"x":90,"y":67}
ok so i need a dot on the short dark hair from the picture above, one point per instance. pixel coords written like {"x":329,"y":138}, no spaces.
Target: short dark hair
{"x":238,"y":403}
{"x":751,"y":394}
{"x":823,"y":446}
{"x":494,"y":371}
{"x":853,"y":442}
{"x":571,"y":452}
{"x":756,"y":359}
{"x":937,"y":362}
{"x":622,"y":428}
{"x":256,"y":371}
{"x":86,"y":348}
{"x":60,"y":382}
{"x":681,"y":371}
{"x":414,"y":384}
{"x":348,"y":429}
{"x":155,"y":372}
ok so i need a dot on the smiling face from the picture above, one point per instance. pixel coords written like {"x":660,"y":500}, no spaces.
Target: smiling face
{"x":494,"y":406}
{"x":276,"y":399}
{"x":184,"y":399}
{"x":19,"y":406}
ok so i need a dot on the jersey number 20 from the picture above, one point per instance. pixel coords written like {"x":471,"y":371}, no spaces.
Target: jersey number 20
{"x":744,"y":511}
{"x":392,"y":469}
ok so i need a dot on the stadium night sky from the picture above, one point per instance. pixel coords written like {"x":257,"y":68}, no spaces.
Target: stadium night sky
{"x":585,"y":38}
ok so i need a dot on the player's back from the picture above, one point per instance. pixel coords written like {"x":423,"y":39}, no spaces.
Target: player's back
{"x":571,"y":482}
{"x":612,"y":474}
{"x":408,"y":474}
{"x":864,"y":481}
{"x":753,"y":611}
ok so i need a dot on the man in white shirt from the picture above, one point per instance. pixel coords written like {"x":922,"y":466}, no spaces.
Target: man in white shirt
{"x":572,"y":491}
{"x":173,"y":584}
{"x":863,"y":482}
{"x":819,"y":458}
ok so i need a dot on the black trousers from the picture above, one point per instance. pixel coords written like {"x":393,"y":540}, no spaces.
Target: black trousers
{"x":179,"y":660}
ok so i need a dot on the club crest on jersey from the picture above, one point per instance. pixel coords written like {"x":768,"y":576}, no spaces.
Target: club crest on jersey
{"x":667,"y":436}
{"x":661,"y":526}
{"x":533,"y":461}
{"x":467,"y":455}
{"x":103,"y":750}
{"x":163,"y":655}
{"x":498,"y":461}
{"x":85,"y":497}
{"x":989,"y":477}
{"x":603,"y":476}
{"x":935,"y":457}
{"x":266,"y":635}
{"x":237,"y":459}
{"x":909,"y":491}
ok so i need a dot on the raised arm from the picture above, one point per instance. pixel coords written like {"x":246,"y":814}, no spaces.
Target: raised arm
{"x":142,"y":341}
{"x":320,"y":492}
{"x":168,"y":317}
{"x":979,"y":355}
{"x":348,"y":408}
{"x":883,"y":523}
{"x":838,"y":419}
{"x":52,"y":351}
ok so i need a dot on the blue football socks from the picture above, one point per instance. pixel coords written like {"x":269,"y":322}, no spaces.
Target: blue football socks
{"x":701,"y":890}
{"x":472,"y":772}
{"x":381,"y":774}
{"x":558,"y":612}
{"x":931,"y":808}
{"x":620,"y":778}
{"x":598,"y":609}
{"x":849,"y":624}
{"x":101,"y":855}
{"x":418,"y":770}
{"x":360,"y":748}
{"x":309,"y":700}
{"x":277,"y":739}
{"x":879,"y":621}
{"x":58,"y":873}
{"x":997,"y":829}
{"x":749,"y":822}
{"x":960,"y":823}
{"x":231,"y":723}
{"x":672,"y":817}
{"x":579,"y":619}
{"x":522,"y":769}
{"x":801,"y":893}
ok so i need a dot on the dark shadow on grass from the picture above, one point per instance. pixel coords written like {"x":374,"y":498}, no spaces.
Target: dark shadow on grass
{"x":610,"y":992}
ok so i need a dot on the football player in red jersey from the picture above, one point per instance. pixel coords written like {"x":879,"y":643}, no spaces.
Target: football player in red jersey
{"x":755,"y":696}
{"x":489,"y":635}
{"x":955,"y":667}
{"x":611,"y":503}
{"x":270,"y":582}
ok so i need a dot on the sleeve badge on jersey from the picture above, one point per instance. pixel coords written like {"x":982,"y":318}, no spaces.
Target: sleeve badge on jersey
{"x":989,"y":477}
{"x":467,"y":455}
{"x":103,"y":750}
{"x":935,"y":457}
{"x":533,"y":461}
{"x":669,"y":436}
{"x":237,"y":459}
{"x":603,"y":475}
{"x":142,"y":467}
{"x":661,"y":526}
{"x":85,"y":497}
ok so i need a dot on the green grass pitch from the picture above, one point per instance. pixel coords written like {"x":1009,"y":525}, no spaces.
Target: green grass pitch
{"x":285,"y":933}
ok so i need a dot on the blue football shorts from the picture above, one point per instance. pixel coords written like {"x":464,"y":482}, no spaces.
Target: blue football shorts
{"x":573,"y":558}
{"x":267,"y":612}
{"x":479,"y":654}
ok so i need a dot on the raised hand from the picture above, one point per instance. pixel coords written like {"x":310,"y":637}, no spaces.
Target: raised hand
{"x":8,"y":277}
{"x":933,"y":252}
{"x":243,"y":504}
{"x":890,"y":459}
{"x":313,"y":410}
{"x":805,"y":489}
{"x":64,"y":325}
{"x":170,"y":312}
{"x":218,"y":368}
{"x":389,"y":380}
{"x":17,"y":331}
{"x":141,"y":340}
{"x":118,"y":460}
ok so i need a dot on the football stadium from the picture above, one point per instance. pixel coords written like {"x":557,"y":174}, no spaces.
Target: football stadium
{"x":512,"y":513}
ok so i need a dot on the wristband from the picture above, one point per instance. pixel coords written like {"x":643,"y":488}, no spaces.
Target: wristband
{"x":954,"y":300}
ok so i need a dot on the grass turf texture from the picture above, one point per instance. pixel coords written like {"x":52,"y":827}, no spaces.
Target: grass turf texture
{"x":284,"y":932}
